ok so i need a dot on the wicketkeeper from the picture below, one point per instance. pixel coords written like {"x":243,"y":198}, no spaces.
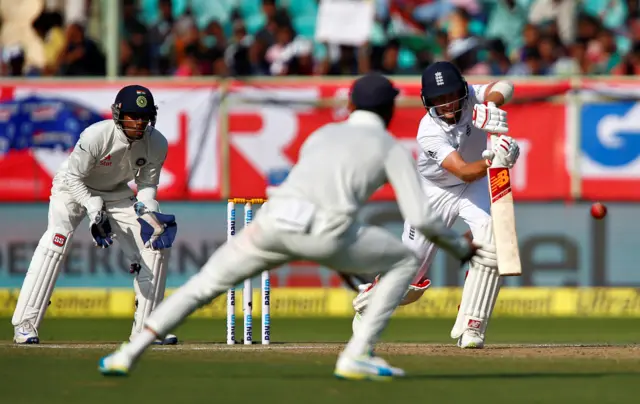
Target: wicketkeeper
{"x":93,"y":182}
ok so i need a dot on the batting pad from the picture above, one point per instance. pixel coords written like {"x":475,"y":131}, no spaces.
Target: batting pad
{"x":479,"y":293}
{"x":41,"y":277}
{"x":149,"y":285}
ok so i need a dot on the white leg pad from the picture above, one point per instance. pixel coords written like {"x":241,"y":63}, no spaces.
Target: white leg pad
{"x":41,"y":277}
{"x":479,"y":297}
{"x":479,"y":294}
{"x":149,"y":285}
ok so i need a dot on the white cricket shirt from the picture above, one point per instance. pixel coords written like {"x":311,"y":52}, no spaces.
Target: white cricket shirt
{"x":104,"y":161}
{"x":437,"y":140}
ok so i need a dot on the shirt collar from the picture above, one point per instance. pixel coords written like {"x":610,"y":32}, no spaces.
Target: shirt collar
{"x":366,"y":118}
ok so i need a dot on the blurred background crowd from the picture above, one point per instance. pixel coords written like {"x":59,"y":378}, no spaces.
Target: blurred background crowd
{"x":276,"y":37}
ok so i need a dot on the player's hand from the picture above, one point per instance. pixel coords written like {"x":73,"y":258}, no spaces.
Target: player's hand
{"x":485,"y":255}
{"x":415,"y":292}
{"x":504,"y":153}
{"x":100,"y":229}
{"x":362,"y":299}
{"x":490,"y":118}
{"x":158,"y":231}
{"x":471,"y":249}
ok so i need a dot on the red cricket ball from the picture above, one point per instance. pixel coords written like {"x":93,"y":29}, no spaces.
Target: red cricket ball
{"x":598,"y":210}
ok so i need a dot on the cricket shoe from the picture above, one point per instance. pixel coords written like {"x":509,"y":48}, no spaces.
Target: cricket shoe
{"x":470,"y":340}
{"x":25,"y":333}
{"x":365,"y":367}
{"x":116,"y":364}
{"x":170,"y":339}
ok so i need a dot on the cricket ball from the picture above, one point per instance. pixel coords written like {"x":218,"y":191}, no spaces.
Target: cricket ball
{"x":598,"y":210}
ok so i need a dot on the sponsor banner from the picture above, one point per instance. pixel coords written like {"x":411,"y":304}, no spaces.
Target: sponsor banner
{"x":610,"y":151}
{"x":535,"y":302}
{"x":333,"y":302}
{"x":560,"y":245}
{"x":266,"y":123}
{"x":187,"y":117}
{"x":266,"y":134}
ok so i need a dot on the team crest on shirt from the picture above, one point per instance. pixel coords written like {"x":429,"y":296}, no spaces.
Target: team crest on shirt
{"x":141,"y":161}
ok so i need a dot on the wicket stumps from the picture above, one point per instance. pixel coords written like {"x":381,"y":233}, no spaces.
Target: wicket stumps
{"x":247,"y":291}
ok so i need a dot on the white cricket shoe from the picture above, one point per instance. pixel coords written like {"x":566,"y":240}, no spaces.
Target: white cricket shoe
{"x":365,"y":367}
{"x":116,"y":364}
{"x":170,"y":339}
{"x":25,"y":333}
{"x":470,"y":340}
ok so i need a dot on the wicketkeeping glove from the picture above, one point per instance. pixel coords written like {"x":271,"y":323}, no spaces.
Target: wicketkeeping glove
{"x":100,"y":229}
{"x":158,"y":231}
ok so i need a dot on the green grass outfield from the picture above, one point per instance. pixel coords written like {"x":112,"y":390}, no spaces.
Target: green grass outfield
{"x":527,"y":361}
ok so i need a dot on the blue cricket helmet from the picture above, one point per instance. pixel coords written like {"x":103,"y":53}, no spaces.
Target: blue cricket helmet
{"x":137,"y":101}
{"x":442,"y":78}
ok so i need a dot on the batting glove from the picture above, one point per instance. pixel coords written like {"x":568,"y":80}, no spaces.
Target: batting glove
{"x":504,"y":153}
{"x":490,"y":118}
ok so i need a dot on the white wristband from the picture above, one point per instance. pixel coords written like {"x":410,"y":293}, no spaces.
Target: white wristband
{"x":505,"y":88}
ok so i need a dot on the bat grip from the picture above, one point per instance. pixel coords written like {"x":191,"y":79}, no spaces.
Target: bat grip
{"x":494,"y":139}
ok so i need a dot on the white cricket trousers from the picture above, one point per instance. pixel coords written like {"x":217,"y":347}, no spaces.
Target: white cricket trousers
{"x":65,"y":215}
{"x":468,"y":201}
{"x":339,"y":243}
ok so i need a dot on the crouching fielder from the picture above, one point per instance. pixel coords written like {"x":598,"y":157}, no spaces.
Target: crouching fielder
{"x":453,"y":165}
{"x":312,"y":216}
{"x":93,"y":182}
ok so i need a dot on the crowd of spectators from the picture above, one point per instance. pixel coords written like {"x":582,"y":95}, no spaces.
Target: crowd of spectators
{"x":276,"y":37}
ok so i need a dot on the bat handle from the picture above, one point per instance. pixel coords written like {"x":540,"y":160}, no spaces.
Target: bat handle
{"x":494,"y":139}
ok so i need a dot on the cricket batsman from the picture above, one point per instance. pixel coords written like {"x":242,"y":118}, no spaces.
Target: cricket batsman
{"x":312,"y":216}
{"x":453,"y":166}
{"x":93,"y":182}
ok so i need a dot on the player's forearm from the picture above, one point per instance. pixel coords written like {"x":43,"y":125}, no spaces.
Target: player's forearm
{"x":422,"y":217}
{"x":472,"y":171}
{"x":496,"y":98}
{"x":147,"y":195}
{"x":500,"y":93}
{"x":77,"y":188}
{"x":414,"y":206}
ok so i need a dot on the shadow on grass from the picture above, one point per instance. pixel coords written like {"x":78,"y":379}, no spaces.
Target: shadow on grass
{"x":531,"y":375}
{"x":454,"y":377}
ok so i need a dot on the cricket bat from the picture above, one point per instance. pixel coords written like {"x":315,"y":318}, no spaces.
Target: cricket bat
{"x":504,"y":220}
